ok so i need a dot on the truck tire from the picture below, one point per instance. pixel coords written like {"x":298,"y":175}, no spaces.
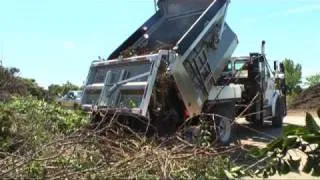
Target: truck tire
{"x":224,"y":130}
{"x":277,"y":120}
{"x":224,"y":126}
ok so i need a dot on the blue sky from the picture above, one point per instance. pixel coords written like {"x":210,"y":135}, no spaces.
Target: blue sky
{"x":54,"y":41}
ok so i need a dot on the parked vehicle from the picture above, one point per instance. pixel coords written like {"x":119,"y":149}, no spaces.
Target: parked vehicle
{"x":70,"y":99}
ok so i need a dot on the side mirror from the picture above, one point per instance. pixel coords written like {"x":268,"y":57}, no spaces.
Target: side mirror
{"x":275,"y":65}
{"x":281,"y":67}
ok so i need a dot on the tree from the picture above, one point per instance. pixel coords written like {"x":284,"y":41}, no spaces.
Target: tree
{"x":10,"y":84}
{"x":313,"y":80}
{"x":58,"y":90}
{"x":13,"y":85}
{"x":55,"y":90}
{"x":33,"y":88}
{"x":69,"y":86}
{"x":293,"y":74}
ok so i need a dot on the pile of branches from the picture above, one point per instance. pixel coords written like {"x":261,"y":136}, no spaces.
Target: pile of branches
{"x":308,"y":99}
{"x":115,"y":151}
{"x":111,"y":149}
{"x":285,"y":154}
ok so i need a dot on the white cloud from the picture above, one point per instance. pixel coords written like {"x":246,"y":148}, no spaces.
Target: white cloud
{"x":69,"y":45}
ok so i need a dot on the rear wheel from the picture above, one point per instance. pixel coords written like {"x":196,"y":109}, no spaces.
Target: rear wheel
{"x":277,"y":120}
{"x":224,"y":130}
{"x":223,"y":119}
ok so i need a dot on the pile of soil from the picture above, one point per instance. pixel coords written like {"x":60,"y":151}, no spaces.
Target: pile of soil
{"x":308,"y":99}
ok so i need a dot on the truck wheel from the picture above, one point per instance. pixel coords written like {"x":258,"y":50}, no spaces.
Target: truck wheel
{"x":278,"y":118}
{"x":224,"y":130}
{"x":223,"y":126}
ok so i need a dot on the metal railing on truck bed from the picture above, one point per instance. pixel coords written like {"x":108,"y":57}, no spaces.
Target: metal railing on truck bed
{"x":119,"y":83}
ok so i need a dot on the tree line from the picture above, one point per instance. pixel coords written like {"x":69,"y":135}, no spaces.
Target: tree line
{"x":11,"y":84}
{"x":293,"y":76}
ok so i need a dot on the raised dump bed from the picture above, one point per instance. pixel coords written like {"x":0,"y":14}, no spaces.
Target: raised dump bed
{"x":177,"y":23}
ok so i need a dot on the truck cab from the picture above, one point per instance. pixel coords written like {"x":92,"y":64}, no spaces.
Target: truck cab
{"x":260,"y":83}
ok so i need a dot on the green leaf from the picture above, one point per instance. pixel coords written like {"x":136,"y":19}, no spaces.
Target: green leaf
{"x":316,"y":170}
{"x":132,"y":104}
{"x":294,"y":130}
{"x":311,"y":124}
{"x":294,"y":164}
{"x":303,"y":147}
{"x":228,"y":174}
{"x":257,"y":153}
{"x":273,"y":171}
{"x":258,"y":171}
{"x":278,"y":166}
{"x":236,"y":169}
{"x":289,"y":143}
{"x":285,"y":168}
{"x":309,"y":165}
{"x":265,"y":174}
{"x":275,"y":144}
{"x":311,"y":138}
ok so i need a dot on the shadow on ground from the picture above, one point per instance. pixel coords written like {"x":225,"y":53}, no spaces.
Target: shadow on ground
{"x":246,"y":132}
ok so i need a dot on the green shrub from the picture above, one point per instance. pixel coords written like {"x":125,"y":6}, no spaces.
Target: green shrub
{"x":35,"y":122}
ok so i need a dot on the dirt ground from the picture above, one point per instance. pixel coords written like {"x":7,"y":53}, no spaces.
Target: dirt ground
{"x":259,"y":137}
{"x":262,"y":135}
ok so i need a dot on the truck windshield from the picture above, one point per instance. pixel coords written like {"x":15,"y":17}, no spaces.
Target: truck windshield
{"x":228,"y":68}
{"x":240,"y":65}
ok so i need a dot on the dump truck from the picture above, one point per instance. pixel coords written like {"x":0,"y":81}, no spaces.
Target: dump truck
{"x":174,"y":68}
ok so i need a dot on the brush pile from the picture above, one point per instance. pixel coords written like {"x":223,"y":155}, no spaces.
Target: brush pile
{"x":98,"y":152}
{"x":308,"y":99}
